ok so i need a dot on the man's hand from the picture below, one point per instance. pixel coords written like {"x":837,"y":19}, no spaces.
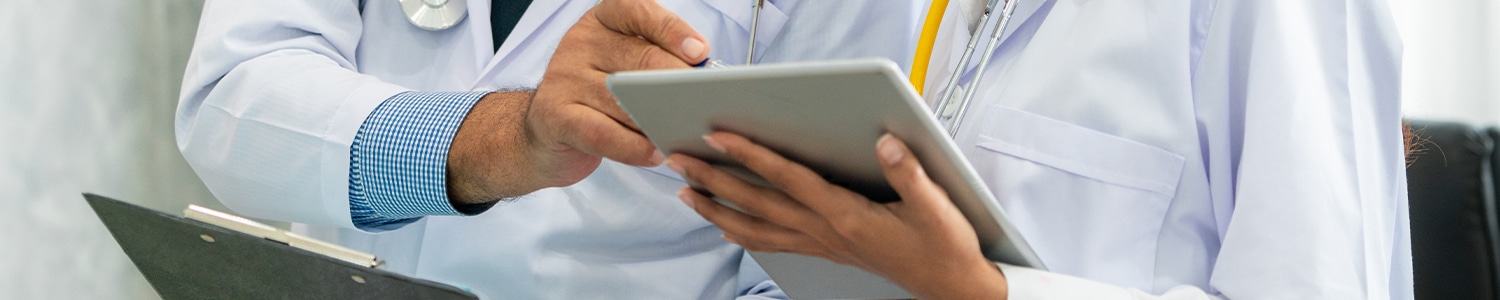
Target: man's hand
{"x":572,"y":121}
{"x":574,"y":118}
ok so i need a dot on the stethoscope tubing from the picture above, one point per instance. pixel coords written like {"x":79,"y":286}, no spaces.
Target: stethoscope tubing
{"x":948,"y":90}
{"x":984,"y":63}
{"x":754,"y":28}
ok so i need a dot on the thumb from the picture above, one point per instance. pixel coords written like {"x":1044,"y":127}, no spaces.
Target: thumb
{"x":907,"y":176}
{"x":648,"y":19}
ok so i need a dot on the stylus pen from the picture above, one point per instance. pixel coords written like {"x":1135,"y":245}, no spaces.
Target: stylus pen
{"x":754,"y":26}
{"x":710,"y":63}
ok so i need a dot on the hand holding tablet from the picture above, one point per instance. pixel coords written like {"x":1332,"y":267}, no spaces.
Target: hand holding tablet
{"x":826,"y":116}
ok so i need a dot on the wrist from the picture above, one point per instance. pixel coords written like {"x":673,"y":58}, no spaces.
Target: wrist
{"x":977,"y":280}
{"x":488,"y":159}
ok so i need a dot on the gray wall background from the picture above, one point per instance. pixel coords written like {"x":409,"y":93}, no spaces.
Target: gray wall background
{"x":88,"y":89}
{"x":87,"y":94}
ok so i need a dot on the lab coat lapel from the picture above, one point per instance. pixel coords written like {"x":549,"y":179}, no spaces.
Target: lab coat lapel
{"x":1024,"y":10}
{"x":479,"y":23}
{"x":936,"y":79}
{"x":742,"y":12}
{"x":536,"y":15}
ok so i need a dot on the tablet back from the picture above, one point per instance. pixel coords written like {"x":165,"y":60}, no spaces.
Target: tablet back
{"x":826,"y":115}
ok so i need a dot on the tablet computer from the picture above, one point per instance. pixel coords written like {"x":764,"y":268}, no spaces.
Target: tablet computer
{"x":826,"y":115}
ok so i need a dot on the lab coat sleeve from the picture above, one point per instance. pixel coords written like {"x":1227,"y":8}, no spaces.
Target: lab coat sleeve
{"x":1312,"y":154}
{"x":270,"y":105}
{"x":1027,"y":283}
{"x":1298,"y":104}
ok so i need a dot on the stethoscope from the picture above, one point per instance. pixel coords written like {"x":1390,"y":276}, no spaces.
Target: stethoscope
{"x":434,"y":14}
{"x":924,"y":54}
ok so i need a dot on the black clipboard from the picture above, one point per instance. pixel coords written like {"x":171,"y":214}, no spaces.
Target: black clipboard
{"x":188,"y":259}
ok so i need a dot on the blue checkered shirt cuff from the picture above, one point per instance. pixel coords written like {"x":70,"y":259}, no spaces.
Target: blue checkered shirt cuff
{"x":398,"y":162}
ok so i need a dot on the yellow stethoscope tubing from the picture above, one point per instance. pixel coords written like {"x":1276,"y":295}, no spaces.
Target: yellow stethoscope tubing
{"x":925,"y":41}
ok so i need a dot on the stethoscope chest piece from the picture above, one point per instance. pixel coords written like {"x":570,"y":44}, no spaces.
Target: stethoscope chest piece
{"x":434,"y":14}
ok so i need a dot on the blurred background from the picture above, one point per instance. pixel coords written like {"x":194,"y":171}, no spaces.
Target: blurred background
{"x":87,"y":94}
{"x":88,"y":90}
{"x":1452,"y":63}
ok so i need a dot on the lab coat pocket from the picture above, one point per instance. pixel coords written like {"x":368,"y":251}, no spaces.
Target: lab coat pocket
{"x":1091,"y":204}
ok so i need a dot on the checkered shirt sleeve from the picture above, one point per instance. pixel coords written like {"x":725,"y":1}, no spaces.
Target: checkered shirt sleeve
{"x":398,"y":162}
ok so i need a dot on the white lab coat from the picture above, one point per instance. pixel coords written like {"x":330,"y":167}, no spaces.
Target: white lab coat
{"x":1245,"y":149}
{"x":276,"y":90}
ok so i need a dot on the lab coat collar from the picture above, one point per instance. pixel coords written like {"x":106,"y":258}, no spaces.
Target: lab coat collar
{"x":536,"y":15}
{"x":971,"y":10}
{"x":940,"y":71}
{"x":1023,"y":12}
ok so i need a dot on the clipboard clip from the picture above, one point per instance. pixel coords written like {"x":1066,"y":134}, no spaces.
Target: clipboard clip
{"x":260,"y":230}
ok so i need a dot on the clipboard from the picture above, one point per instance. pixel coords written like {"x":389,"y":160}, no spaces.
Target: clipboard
{"x":185,"y":258}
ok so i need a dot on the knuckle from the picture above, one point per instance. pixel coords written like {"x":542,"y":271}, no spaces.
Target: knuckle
{"x":666,"y":24}
{"x":646,"y":57}
{"x":636,"y":9}
{"x":850,"y":228}
{"x":841,"y":248}
{"x":592,"y":135}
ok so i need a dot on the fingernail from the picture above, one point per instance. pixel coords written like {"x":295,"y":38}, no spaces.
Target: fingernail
{"x":729,"y":239}
{"x":682,"y":194}
{"x":657,"y":158}
{"x":712,"y":143}
{"x":674,"y":166}
{"x":693,"y":48}
{"x":889,"y":152}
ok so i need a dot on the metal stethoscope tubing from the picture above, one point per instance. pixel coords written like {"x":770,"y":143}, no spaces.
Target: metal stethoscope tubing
{"x":963,"y":61}
{"x":754,"y":26}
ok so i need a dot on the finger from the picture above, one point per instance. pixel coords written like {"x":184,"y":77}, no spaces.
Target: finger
{"x":756,"y":233}
{"x":649,"y":20}
{"x":756,"y":201}
{"x":907,"y":177}
{"x":805,"y":186}
{"x":628,"y":53}
{"x":758,"y":247}
{"x":595,"y":133}
{"x":602,"y":100}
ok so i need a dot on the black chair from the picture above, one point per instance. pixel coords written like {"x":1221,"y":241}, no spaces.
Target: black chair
{"x":1453,"y":212}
